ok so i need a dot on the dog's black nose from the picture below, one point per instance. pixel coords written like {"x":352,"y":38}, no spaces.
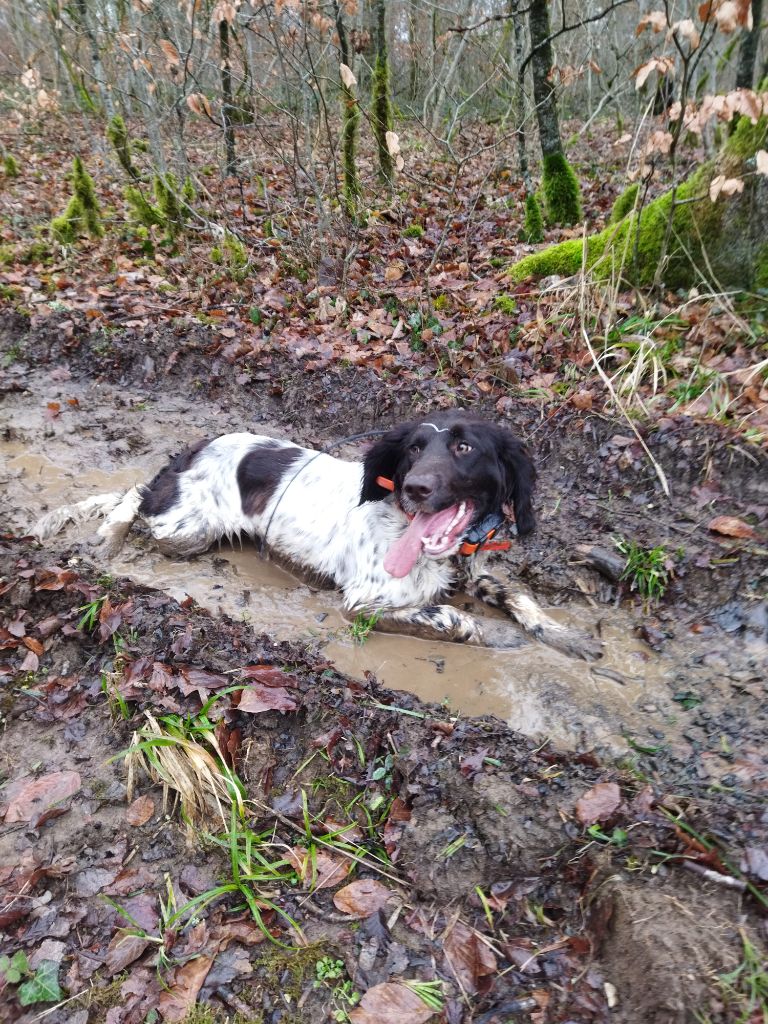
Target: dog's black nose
{"x":419,"y":488}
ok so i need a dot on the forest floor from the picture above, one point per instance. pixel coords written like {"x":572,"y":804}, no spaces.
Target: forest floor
{"x":551,"y":841}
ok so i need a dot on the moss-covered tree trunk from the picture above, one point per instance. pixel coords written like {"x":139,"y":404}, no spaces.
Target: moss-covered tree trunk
{"x":560,"y":186}
{"x":350,"y":113}
{"x":382,"y":110}
{"x":721,"y":243}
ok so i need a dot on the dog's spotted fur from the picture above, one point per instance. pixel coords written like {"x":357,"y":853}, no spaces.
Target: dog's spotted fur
{"x":334,"y":518}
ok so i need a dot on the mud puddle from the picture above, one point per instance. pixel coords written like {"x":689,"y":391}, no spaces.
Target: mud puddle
{"x":537,"y":691}
{"x":63,"y":442}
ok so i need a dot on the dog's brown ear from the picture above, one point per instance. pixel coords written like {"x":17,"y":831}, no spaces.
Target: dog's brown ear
{"x":520,"y":479}
{"x":383,"y":460}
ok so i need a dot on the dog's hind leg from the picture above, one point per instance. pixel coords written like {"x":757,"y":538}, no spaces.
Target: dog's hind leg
{"x":81,"y":512}
{"x":442,"y":621}
{"x":114,"y":529}
{"x":533,"y":618}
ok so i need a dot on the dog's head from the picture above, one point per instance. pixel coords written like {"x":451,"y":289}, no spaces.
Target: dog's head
{"x":450,"y":470}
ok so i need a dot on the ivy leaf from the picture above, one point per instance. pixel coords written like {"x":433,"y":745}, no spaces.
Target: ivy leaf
{"x":15,"y":968}
{"x":44,"y":987}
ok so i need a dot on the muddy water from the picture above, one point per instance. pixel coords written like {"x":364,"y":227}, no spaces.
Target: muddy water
{"x":536,"y":690}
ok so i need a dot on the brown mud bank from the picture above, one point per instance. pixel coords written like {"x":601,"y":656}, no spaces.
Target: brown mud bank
{"x":465,"y":854}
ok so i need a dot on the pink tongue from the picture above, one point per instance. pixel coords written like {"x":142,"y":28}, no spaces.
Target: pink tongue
{"x":404,"y":553}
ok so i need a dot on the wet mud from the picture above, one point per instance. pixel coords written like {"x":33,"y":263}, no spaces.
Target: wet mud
{"x":486,"y":752}
{"x":51,"y":460}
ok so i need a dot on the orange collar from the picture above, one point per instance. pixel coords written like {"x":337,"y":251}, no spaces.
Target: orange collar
{"x":478,"y":538}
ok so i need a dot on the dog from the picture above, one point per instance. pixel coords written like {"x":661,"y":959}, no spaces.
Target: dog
{"x":396,"y":533}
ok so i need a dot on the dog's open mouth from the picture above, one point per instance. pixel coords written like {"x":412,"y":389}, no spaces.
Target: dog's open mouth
{"x":434,"y":533}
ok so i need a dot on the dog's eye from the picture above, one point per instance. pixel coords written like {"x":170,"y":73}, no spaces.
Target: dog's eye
{"x":415,"y":449}
{"x":462,"y":448}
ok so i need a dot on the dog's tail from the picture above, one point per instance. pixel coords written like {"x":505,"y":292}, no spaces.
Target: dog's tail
{"x":117,"y":508}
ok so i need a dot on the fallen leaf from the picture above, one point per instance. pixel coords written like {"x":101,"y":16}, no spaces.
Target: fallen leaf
{"x":321,"y":870}
{"x":730,"y":526}
{"x":390,"y":1003}
{"x":29,"y":798}
{"x":176,"y":1001}
{"x":468,"y":957}
{"x":598,"y":803}
{"x":123,"y":950}
{"x":257,"y":698}
{"x":140,"y":811}
{"x":582,"y":400}
{"x":362,"y":898}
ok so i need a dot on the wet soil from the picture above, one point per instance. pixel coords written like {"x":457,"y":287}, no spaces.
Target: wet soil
{"x":675,"y":709}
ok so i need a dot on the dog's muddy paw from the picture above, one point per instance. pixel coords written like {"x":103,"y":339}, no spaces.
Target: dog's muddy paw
{"x":576,"y":644}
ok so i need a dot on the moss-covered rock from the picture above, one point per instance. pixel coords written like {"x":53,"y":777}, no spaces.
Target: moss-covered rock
{"x":533,"y":226}
{"x":721,"y":242}
{"x":562,"y":196}
{"x":625,"y":202}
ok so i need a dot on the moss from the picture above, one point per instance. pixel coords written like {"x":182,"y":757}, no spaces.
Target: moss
{"x":10,"y":166}
{"x":533,"y":226}
{"x":232,"y":255}
{"x":82,"y":215}
{"x":562,"y":199}
{"x":118,"y":136}
{"x":351,"y":113}
{"x":36,"y":252}
{"x":635,"y":245}
{"x":413,"y":231}
{"x":203,"y":1013}
{"x":563,"y":259}
{"x":505,"y":304}
{"x":761,"y":268}
{"x":625,"y":202}
{"x":141,"y":210}
{"x":382,"y":115}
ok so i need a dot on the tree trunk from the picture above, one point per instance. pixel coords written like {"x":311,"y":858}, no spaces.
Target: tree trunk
{"x":722,"y":244}
{"x":559,"y":183}
{"x":226,"y":92}
{"x":745,"y":71}
{"x":382,"y":112}
{"x":350,"y":112}
{"x":81,"y":15}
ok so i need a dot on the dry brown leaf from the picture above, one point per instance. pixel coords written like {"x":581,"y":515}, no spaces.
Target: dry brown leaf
{"x":28,"y":799}
{"x":362,"y":898}
{"x":730,"y":526}
{"x":390,"y":1003}
{"x":176,"y":1001}
{"x":657,"y":20}
{"x":394,"y":272}
{"x":598,"y":803}
{"x":320,"y":871}
{"x":468,"y":956}
{"x":582,"y":400}
{"x":140,"y":811}
{"x":170,"y":52}
{"x":199,"y":104}
{"x":725,"y":185}
{"x":257,"y":698}
{"x":347,"y":76}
